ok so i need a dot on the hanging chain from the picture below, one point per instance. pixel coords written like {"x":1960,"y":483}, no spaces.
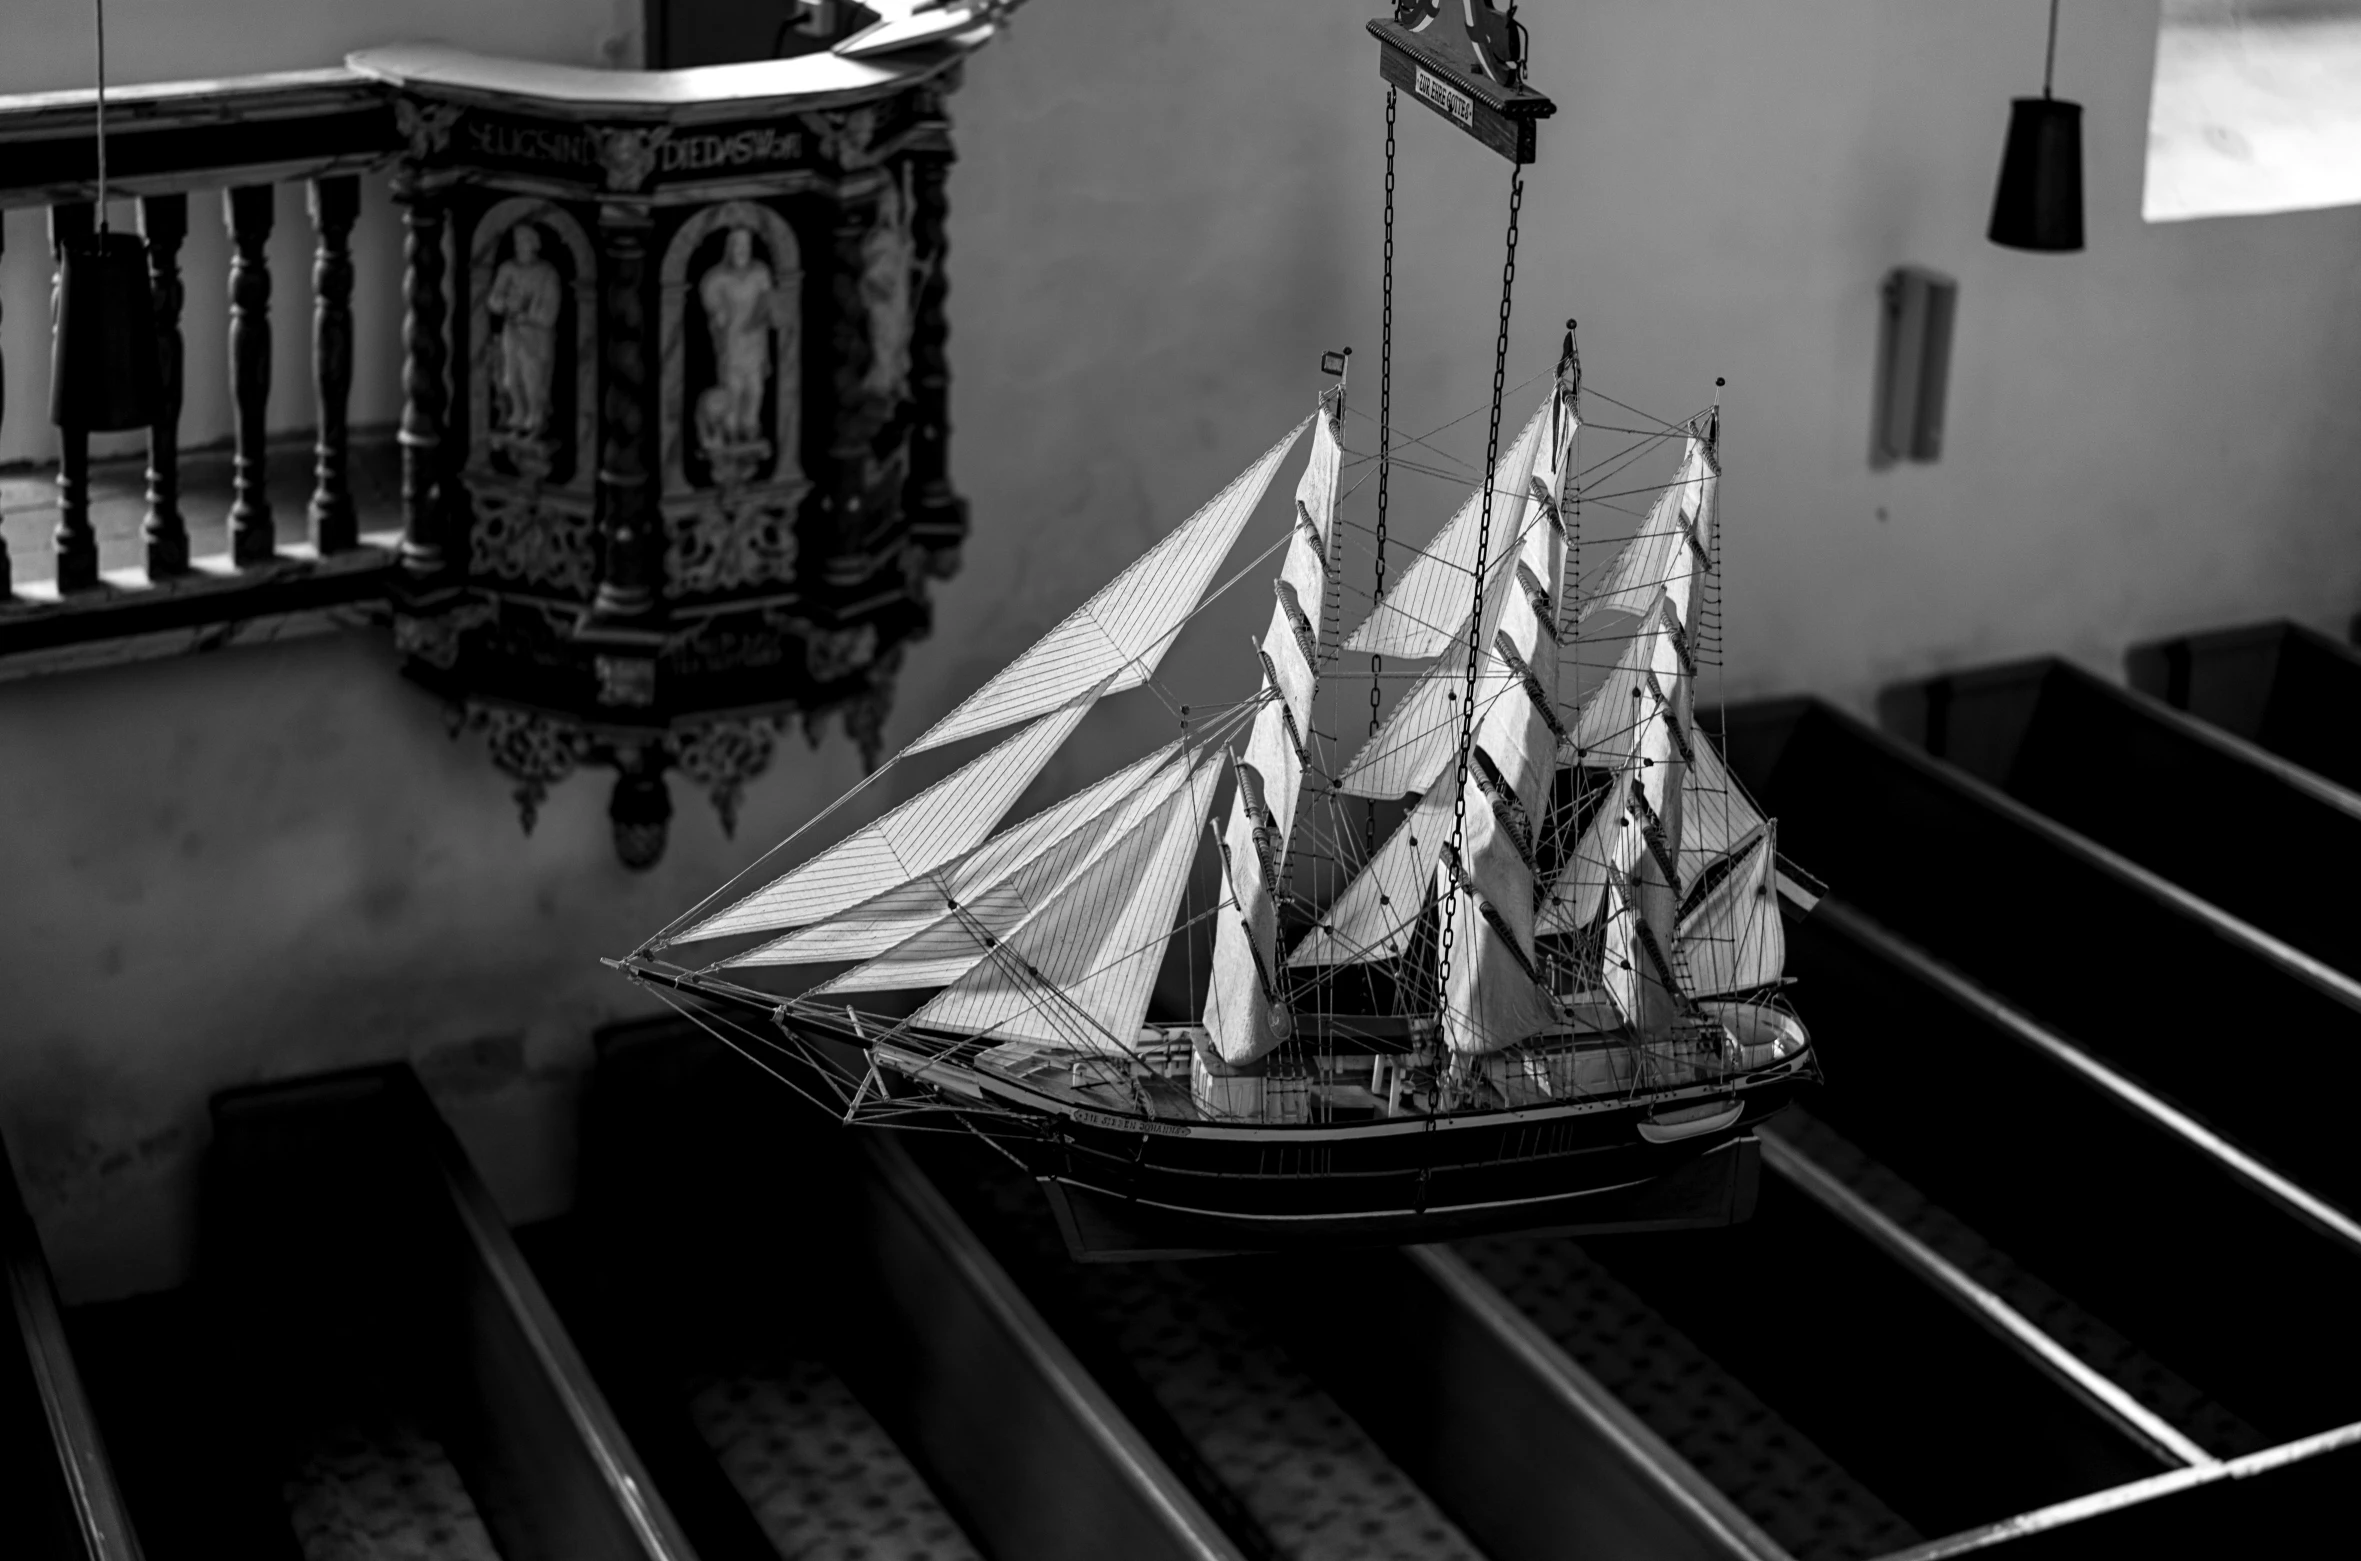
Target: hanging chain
{"x":1475,"y":628}
{"x":1385,"y":429}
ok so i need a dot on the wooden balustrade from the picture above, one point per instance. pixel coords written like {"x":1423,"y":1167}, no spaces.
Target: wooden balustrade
{"x":244,"y":138}
{"x":685,"y":527}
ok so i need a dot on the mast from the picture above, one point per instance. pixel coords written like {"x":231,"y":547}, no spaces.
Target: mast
{"x":1637,"y":858}
{"x":1494,"y":996}
{"x":1246,"y":1012}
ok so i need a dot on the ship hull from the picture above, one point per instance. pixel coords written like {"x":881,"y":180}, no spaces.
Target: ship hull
{"x":1702,"y":1191}
{"x":1128,"y":1186}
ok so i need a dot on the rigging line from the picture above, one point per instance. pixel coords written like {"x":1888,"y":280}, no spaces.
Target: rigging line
{"x":1203,"y":603}
{"x":1654,"y":487}
{"x":702,"y":1021}
{"x":664,"y":935}
{"x":1619,"y":459}
{"x":1444,"y":428}
{"x":691,"y":914}
{"x":1455,"y":478}
{"x":1220,"y":729}
{"x":1026,"y":975}
{"x":1592,"y":387}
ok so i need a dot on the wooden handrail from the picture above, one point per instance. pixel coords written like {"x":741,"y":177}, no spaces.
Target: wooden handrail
{"x":688,"y":96}
{"x":169,"y":136}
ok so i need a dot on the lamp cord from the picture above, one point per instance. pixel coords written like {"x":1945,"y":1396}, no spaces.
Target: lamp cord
{"x":2049,"y":63}
{"x":100,"y":7}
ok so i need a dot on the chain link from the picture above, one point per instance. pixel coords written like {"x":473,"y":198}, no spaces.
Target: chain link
{"x":1385,"y":429}
{"x":1475,"y":630}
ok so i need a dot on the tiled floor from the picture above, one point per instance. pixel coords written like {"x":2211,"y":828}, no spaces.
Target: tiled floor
{"x":824,"y":1480}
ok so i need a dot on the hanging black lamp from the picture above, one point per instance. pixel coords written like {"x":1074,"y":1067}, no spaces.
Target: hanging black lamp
{"x":2039,"y":203}
{"x":103,"y":371}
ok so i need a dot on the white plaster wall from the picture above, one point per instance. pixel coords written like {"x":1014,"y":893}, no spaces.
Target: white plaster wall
{"x":272,"y":861}
{"x":1164,"y":212}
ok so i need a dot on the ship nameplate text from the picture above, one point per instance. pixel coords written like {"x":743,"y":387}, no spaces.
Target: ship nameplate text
{"x":1130,"y":1124}
{"x":1446,"y":97}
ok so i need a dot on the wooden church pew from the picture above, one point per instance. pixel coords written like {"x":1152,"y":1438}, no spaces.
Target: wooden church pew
{"x":734,"y":1225}
{"x":66,"y":1505}
{"x":2280,"y":686}
{"x":2261,"y":837}
{"x":2257,"y":1040}
{"x":361,"y":1271}
{"x":2237,"y":1284}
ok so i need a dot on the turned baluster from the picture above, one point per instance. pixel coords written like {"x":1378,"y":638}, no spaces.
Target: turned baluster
{"x":626,"y":571}
{"x":248,"y":212}
{"x":164,"y":223}
{"x":74,"y":543}
{"x":425,"y":399}
{"x":335,"y":203}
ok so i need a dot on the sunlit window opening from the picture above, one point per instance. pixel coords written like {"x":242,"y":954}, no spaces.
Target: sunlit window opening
{"x":2257,"y":108}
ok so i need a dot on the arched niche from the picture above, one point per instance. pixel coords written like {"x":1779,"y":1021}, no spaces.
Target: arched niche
{"x":569,"y":460}
{"x":704,"y":445}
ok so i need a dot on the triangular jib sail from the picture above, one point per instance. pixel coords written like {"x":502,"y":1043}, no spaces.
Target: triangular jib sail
{"x":1120,"y":635}
{"x":940,"y":823}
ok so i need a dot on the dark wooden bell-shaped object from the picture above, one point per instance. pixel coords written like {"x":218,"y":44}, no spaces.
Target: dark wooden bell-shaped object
{"x":103,"y":367}
{"x":2039,"y":202}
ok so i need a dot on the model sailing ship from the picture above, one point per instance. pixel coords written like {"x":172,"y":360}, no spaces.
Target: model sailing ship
{"x":1547,"y":996}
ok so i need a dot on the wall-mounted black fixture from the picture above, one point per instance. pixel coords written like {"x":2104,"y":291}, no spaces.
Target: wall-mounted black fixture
{"x":1913,"y":365}
{"x":2038,"y":204}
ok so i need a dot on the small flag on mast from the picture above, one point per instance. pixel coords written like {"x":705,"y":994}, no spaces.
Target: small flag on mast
{"x":1333,"y":362}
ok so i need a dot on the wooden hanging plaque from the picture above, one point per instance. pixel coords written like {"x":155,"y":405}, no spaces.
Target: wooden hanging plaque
{"x":1503,"y":118}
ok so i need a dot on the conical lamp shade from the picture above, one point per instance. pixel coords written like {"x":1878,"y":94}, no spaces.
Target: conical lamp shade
{"x":103,"y":366}
{"x":2039,"y":202}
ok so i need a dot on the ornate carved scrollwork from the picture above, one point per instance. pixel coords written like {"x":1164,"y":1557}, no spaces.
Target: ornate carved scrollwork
{"x":722,"y":756}
{"x":532,"y":539}
{"x":653,"y":481}
{"x":533,"y":749}
{"x":732,"y":541}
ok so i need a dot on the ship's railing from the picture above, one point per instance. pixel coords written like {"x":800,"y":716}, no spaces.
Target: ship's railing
{"x":69,"y":596}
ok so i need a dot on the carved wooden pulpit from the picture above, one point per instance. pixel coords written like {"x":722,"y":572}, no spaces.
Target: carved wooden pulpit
{"x":674,"y":435}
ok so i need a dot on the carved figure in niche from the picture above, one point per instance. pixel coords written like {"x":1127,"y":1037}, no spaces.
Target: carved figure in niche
{"x":525,"y":298}
{"x":888,"y":259}
{"x":743,"y":305}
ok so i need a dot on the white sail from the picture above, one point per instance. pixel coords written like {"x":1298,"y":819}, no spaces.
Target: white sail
{"x":1668,"y":545}
{"x":1619,"y":951}
{"x":1242,"y":1007}
{"x":885,"y":919}
{"x":1732,"y":940}
{"x":1417,"y":617}
{"x":1716,"y":814}
{"x":1421,"y":733}
{"x":1608,"y":842}
{"x":1372,"y":918}
{"x":940,"y":823}
{"x":1493,"y":997}
{"x":1079,"y":971}
{"x":948,"y":946}
{"x":1120,"y":635}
